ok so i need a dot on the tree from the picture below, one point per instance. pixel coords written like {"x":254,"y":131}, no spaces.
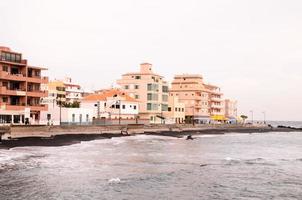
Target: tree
{"x":243,"y":117}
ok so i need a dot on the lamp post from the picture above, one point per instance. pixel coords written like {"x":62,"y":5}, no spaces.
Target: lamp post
{"x":119,"y":112}
{"x":252,"y":116}
{"x":264,"y":117}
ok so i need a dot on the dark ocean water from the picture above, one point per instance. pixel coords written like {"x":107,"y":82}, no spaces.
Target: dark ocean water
{"x":233,"y":166}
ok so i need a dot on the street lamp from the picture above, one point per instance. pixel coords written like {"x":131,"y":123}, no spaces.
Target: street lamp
{"x":119,"y":112}
{"x":60,"y":106}
{"x":264,"y":117}
{"x":252,"y":114}
{"x":193,"y":116}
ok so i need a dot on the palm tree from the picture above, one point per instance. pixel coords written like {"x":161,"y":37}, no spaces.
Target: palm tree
{"x":244,"y":117}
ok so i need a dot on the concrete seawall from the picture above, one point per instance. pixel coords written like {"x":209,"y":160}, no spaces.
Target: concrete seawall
{"x":50,"y":131}
{"x":65,"y":135}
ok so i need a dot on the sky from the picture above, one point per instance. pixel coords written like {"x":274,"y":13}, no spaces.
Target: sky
{"x":252,"y":49}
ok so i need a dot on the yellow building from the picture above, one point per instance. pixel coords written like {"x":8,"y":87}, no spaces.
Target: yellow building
{"x":56,"y":92}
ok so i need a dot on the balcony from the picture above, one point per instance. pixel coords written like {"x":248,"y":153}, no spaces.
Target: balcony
{"x":38,"y":79}
{"x":13,"y":77}
{"x":216,"y":99}
{"x":16,"y":92}
{"x":16,"y":62}
{"x":37,"y":93}
{"x":6,"y":106}
{"x":38,"y":107}
{"x":216,"y":106}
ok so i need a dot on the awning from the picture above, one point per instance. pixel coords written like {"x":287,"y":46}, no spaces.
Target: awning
{"x":218,"y":118}
{"x":161,"y":117}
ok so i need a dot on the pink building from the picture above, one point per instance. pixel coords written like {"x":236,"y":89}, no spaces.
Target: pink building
{"x":20,"y":89}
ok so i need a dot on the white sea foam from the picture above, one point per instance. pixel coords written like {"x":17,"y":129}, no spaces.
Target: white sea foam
{"x":114,"y":180}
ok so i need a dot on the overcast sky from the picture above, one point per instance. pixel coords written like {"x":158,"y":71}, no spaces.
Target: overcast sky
{"x":251,"y":48}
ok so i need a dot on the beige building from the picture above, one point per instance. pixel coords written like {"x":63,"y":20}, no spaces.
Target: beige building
{"x":176,"y":111}
{"x":203,"y":102}
{"x":215,"y":102}
{"x":190,"y":90}
{"x":230,"y":109}
{"x":151,"y":91}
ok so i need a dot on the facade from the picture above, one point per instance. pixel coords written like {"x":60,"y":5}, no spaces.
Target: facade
{"x":150,"y":90}
{"x":191,"y":90}
{"x":216,"y":103}
{"x":112,"y":106}
{"x":74,"y":93}
{"x":176,"y":111}
{"x":20,"y":89}
{"x":56,"y":92}
{"x":203,"y":102}
{"x":230,"y":109}
{"x":56,"y":115}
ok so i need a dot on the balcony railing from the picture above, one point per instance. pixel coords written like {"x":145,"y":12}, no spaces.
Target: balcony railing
{"x":37,"y":93}
{"x":10,"y":76}
{"x":38,"y":79}
{"x":15,"y":92}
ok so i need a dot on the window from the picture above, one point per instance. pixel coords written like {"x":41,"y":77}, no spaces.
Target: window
{"x":117,"y":106}
{"x":165,"y":97}
{"x":126,"y":87}
{"x":165,"y":89}
{"x":124,"y":106}
{"x":152,"y":97}
{"x":152,"y":87}
{"x":152,"y":106}
{"x":183,"y":110}
{"x":164,"y":107}
{"x":149,"y":106}
{"x":4,"y":99}
{"x":136,"y":87}
{"x":48,"y":117}
{"x":175,"y":109}
{"x":73,"y":118}
{"x":134,"y":107}
{"x":87,"y":118}
{"x":169,"y":109}
{"x":5,"y":68}
{"x":137,"y":77}
{"x":136,"y":96}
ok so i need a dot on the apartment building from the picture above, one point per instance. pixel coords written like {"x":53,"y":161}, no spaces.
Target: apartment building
{"x":230,"y":109}
{"x":74,"y":92}
{"x":56,"y":93}
{"x":215,"y":102}
{"x":20,"y":89}
{"x":191,"y":90}
{"x":150,"y":90}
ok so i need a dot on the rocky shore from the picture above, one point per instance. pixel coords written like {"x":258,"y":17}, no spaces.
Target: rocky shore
{"x":67,"y":135}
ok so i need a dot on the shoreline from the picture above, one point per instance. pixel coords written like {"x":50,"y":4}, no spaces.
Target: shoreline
{"x":72,"y":137}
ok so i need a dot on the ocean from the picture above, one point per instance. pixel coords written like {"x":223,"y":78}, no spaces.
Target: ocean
{"x":232,"y":166}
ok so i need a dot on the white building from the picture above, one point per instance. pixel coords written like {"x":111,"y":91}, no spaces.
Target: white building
{"x":73,"y":91}
{"x":112,"y":106}
{"x":55,"y":114}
